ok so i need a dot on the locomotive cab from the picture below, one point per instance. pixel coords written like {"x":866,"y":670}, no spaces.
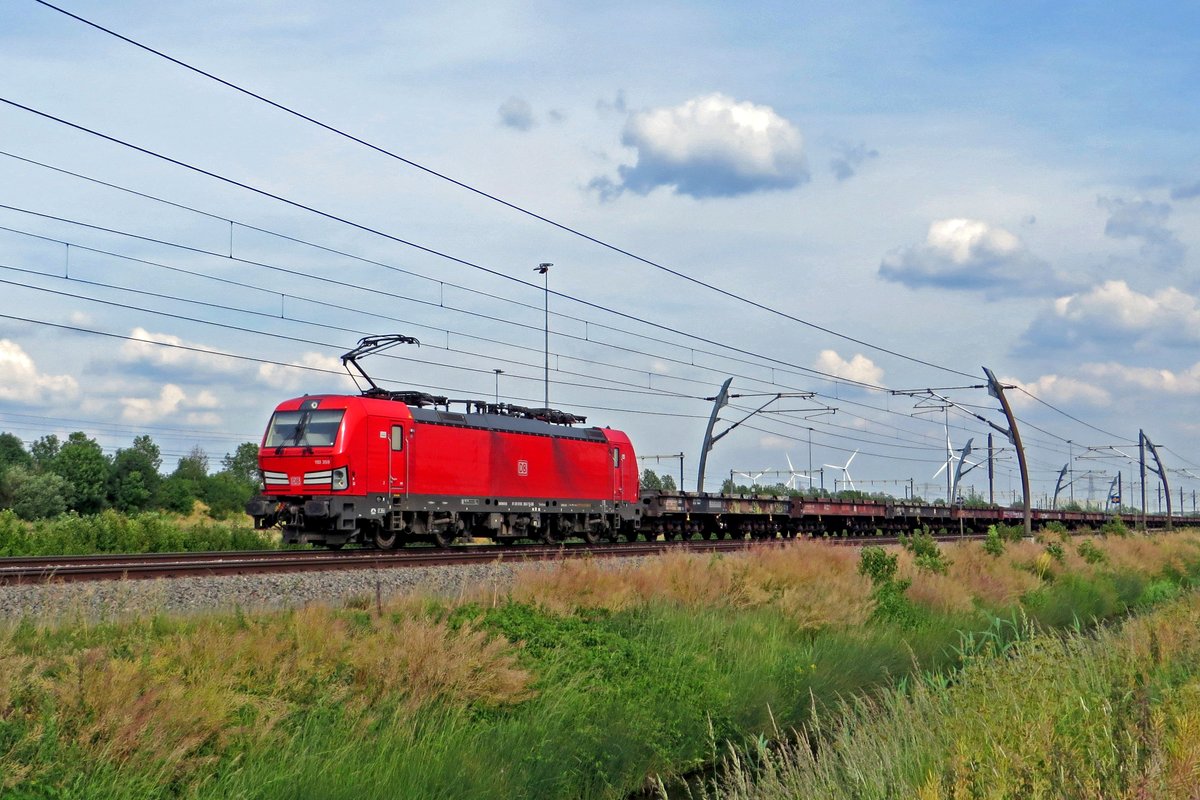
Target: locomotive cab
{"x":311,"y":483}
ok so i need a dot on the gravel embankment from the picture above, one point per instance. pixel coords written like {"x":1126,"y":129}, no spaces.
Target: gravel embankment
{"x":110,"y":599}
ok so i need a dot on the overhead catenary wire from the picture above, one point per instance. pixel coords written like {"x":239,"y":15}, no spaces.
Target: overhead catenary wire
{"x":804,"y":369}
{"x":462,"y":184}
{"x":385,"y":293}
{"x":793,"y":366}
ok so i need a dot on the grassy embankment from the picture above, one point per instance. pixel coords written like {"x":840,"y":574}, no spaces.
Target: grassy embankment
{"x":1113,"y":713}
{"x":579,"y":682}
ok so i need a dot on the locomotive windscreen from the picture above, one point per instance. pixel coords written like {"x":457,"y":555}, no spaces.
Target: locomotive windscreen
{"x":304,"y":428}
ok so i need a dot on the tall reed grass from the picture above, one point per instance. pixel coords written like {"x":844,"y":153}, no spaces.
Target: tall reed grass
{"x":1113,"y":714}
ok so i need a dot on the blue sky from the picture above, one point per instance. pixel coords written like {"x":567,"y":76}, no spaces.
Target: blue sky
{"x":1004,"y":184}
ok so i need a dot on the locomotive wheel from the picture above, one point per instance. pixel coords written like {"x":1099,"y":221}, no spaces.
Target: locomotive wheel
{"x":591,"y":535}
{"x":442,"y":537}
{"x":384,"y":539}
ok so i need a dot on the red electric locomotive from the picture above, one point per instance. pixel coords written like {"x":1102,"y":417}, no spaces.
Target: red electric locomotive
{"x":387,"y":467}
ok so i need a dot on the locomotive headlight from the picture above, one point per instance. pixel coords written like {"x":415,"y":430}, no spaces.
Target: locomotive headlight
{"x":339,"y":479}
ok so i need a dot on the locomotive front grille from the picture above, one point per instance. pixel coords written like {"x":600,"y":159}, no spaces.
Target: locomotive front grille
{"x":318,"y":478}
{"x":275,"y":478}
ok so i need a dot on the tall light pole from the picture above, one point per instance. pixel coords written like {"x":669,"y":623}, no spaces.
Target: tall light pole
{"x":498,"y":372}
{"x":544,"y":269}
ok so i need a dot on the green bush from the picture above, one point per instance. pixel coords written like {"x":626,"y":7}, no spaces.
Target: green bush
{"x":1158,"y":592}
{"x":1114,"y":527}
{"x":1090,"y":553}
{"x":993,"y":545}
{"x":1055,"y":549}
{"x":926,"y":553}
{"x":1011,"y":533}
{"x":877,"y":564}
{"x":1056,"y":527}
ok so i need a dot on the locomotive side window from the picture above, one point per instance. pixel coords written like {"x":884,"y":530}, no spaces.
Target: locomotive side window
{"x":305,"y":428}
{"x":397,"y":437}
{"x":616,"y":457}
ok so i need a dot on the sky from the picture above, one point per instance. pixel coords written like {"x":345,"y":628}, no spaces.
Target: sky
{"x":867,"y":202}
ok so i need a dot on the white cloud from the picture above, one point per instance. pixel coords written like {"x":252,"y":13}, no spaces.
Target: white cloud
{"x":165,"y":350}
{"x":1186,"y":382}
{"x":297,"y":373}
{"x":1113,"y":304}
{"x":21,"y":382}
{"x":969,"y":254}
{"x":1113,"y":313}
{"x":711,"y":146}
{"x":859,"y":368}
{"x":172,"y":402}
{"x":1056,"y":389}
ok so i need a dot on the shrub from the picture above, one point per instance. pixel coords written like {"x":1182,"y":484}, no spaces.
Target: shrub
{"x":1056,"y":527}
{"x":877,"y":564}
{"x":993,"y":545}
{"x":1012,"y":533}
{"x":1055,"y":549}
{"x":1090,"y":553}
{"x":926,"y":553}
{"x":1158,"y":592}
{"x":1114,"y":527}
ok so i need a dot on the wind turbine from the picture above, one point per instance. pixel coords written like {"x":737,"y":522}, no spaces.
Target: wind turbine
{"x":793,"y":474}
{"x":752,"y":478}
{"x":952,"y":478}
{"x":845,"y":468}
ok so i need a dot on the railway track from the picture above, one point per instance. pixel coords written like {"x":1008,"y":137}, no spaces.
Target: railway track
{"x":143,"y":566}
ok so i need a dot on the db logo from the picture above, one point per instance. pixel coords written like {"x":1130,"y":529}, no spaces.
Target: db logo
{"x":522,"y":467}
{"x":295,"y":480}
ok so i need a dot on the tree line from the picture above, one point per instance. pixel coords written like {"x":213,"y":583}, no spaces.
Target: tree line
{"x":52,"y":477}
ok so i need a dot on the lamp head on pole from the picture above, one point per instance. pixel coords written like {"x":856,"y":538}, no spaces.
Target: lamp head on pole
{"x":543,"y":268}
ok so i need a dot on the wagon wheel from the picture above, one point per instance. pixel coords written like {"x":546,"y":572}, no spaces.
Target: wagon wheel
{"x":384,"y":539}
{"x":443,"y":536}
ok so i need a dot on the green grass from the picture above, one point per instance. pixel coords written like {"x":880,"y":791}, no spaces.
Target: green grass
{"x":1111,"y":713}
{"x":621,"y":696}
